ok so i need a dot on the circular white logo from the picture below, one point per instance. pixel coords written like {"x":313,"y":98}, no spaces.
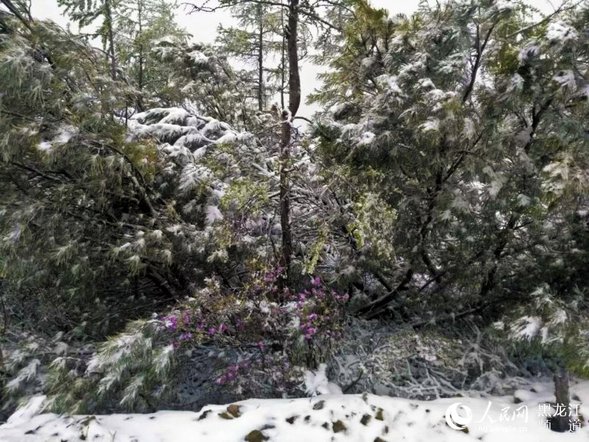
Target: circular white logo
{"x":458,"y":416}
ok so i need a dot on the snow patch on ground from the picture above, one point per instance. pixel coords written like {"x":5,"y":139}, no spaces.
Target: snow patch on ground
{"x":323,"y":418}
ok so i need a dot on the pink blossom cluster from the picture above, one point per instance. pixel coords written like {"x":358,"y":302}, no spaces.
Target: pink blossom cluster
{"x":262,"y":318}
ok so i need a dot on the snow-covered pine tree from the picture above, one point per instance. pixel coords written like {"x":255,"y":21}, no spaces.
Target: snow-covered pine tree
{"x":467,"y":120}
{"x":94,"y":214}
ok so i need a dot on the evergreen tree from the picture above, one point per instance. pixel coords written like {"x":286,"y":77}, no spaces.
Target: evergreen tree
{"x":86,"y":13}
{"x":255,"y":41}
{"x":476,"y":141}
{"x":87,"y":205}
{"x":197,"y":76}
{"x":141,"y":25}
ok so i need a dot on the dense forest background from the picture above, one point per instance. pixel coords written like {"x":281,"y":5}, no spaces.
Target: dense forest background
{"x":171,"y":236}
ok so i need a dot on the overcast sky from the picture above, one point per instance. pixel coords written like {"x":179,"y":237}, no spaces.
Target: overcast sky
{"x":203,"y":27}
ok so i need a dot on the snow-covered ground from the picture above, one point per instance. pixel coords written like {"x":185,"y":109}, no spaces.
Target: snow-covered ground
{"x":520,"y":417}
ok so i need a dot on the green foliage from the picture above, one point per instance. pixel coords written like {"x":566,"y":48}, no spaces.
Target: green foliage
{"x":551,"y":328}
{"x":130,"y":370}
{"x":198,"y":74}
{"x":141,"y":25}
{"x":482,"y":162}
{"x":258,"y":39}
{"x":90,"y":227}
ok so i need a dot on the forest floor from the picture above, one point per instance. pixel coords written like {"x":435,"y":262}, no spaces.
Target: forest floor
{"x":521,"y":417}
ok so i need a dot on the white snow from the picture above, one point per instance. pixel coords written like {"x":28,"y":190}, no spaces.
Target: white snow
{"x":517,"y":83}
{"x":26,"y":374}
{"x":527,"y":327}
{"x":426,"y":83}
{"x":176,"y":115}
{"x":229,"y":137}
{"x":390,"y":82}
{"x":523,"y":200}
{"x":316,"y":382}
{"x":366,"y":138}
{"x":434,"y":95}
{"x":66,"y":132}
{"x":560,"y":32}
{"x":214,"y":126}
{"x":503,"y":5}
{"x":469,"y":129}
{"x":44,"y":146}
{"x":358,"y":418}
{"x":198,"y":57}
{"x":336,"y":108}
{"x":566,"y":79}
{"x":199,"y":153}
{"x":530,"y":51}
{"x":213,"y":214}
{"x":27,"y":412}
{"x":193,"y":175}
{"x":431,"y":125}
{"x":162,"y":131}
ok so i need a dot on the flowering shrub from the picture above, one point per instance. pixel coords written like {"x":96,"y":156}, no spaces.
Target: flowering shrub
{"x":277,"y":333}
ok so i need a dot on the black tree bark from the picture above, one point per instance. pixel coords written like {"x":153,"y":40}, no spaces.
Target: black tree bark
{"x":294,"y":100}
{"x":560,"y":422}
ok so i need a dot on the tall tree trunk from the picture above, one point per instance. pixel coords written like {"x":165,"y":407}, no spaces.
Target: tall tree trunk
{"x":285,"y":142}
{"x":282,"y":60}
{"x":2,"y":334}
{"x":294,"y":96}
{"x":111,"y":56}
{"x":141,"y":54}
{"x":261,"y":104}
{"x":294,"y":76}
{"x":140,"y":48}
{"x":560,"y":422}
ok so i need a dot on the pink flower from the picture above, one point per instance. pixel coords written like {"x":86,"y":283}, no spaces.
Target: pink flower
{"x":185,"y":336}
{"x":171,"y":323}
{"x":309,"y":331}
{"x":221,"y":380}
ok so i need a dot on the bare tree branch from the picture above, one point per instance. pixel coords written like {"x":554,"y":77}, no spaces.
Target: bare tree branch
{"x":559,"y":10}
{"x":302,"y":9}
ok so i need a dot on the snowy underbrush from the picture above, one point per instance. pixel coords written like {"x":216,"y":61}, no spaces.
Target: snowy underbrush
{"x":523,"y":416}
{"x":152,"y":366}
{"x":424,"y":364}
